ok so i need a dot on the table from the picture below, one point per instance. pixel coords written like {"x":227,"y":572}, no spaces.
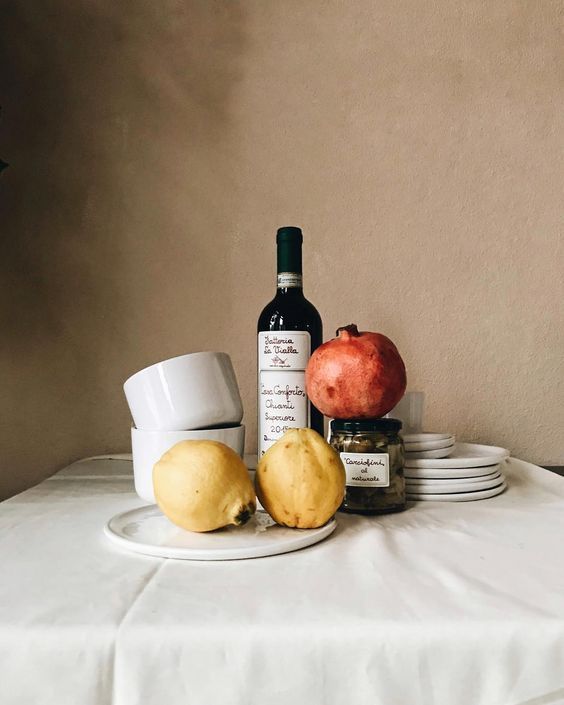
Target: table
{"x":454,"y":604}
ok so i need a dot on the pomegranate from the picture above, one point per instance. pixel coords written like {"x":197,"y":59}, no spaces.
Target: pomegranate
{"x":356,"y":375}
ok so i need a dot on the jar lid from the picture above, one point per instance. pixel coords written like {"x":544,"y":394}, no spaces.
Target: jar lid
{"x":380,"y":425}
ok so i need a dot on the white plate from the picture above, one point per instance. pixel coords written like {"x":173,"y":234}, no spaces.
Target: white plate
{"x":428,"y":445}
{"x":146,"y":530}
{"x":440,"y":481}
{"x":464,"y":455}
{"x":428,"y":454}
{"x":450,"y":473}
{"x":424,"y":437}
{"x":458,"y":497}
{"x":450,"y":487}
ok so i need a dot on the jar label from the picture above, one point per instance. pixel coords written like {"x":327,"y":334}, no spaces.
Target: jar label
{"x":367,"y":469}
{"x":282,"y":400}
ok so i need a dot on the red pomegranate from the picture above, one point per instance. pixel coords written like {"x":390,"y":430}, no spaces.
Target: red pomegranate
{"x":356,"y":375}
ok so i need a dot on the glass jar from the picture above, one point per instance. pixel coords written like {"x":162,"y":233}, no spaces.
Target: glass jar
{"x":373,"y":456}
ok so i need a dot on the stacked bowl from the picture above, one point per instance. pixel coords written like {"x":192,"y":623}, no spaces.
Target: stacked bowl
{"x":428,"y":445}
{"x":190,"y":397}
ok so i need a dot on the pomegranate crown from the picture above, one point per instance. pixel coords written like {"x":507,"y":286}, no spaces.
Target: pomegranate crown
{"x":350,"y":331}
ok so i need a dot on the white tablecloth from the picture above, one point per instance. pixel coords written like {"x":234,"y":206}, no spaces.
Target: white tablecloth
{"x":450,"y":604}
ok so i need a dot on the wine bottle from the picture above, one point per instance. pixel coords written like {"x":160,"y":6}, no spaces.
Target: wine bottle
{"x":289,"y":330}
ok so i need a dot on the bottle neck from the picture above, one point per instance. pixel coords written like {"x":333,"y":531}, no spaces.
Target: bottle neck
{"x":289,"y":267}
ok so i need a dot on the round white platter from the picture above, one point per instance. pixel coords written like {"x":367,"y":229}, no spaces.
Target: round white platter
{"x":146,"y":530}
{"x":450,"y":487}
{"x":427,"y":454}
{"x":463,"y":455}
{"x":459,"y":496}
{"x":425,"y":437}
{"x":451,"y":473}
{"x":414,"y":446}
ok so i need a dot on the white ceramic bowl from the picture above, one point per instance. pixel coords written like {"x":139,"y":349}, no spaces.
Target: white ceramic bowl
{"x":192,"y":391}
{"x":148,"y":447}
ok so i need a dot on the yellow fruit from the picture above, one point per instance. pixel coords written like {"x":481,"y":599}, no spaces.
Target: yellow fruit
{"x":203,"y":485}
{"x":300,"y":480}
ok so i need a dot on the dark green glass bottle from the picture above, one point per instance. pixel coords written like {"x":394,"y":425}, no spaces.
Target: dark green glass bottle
{"x":289,"y":330}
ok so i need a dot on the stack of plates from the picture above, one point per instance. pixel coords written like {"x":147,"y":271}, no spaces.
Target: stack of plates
{"x":419,"y":446}
{"x":471,"y":472}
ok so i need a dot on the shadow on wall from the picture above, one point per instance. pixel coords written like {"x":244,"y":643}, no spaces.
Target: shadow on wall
{"x":92,"y":97}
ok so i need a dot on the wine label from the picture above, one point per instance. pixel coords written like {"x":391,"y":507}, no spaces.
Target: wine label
{"x":367,"y":469}
{"x":284,"y":350}
{"x":289,"y":280}
{"x":282,"y":400}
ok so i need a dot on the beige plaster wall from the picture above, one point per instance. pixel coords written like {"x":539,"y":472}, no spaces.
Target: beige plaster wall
{"x":156,"y":146}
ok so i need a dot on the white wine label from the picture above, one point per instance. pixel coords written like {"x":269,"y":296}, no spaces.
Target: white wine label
{"x":282,"y":400}
{"x":367,"y":469}
{"x":284,"y":350}
{"x":289,"y":280}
